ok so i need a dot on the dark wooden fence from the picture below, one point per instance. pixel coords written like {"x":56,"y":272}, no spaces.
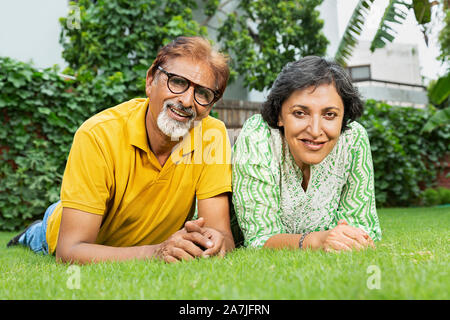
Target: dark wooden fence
{"x":234,"y":113}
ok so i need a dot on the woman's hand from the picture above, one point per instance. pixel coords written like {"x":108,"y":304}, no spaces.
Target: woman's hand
{"x":346,"y":238}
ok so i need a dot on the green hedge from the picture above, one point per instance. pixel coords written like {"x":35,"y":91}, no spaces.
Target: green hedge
{"x":438,"y":196}
{"x":404,"y":159}
{"x":40,"y":112}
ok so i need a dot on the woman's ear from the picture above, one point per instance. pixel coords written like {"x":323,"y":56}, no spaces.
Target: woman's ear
{"x":280,"y":121}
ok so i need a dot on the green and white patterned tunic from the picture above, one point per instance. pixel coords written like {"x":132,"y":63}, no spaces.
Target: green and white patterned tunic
{"x":267,"y":185}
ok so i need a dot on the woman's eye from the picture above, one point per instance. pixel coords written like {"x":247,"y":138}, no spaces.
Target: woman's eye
{"x":299,"y":113}
{"x":330,"y":115}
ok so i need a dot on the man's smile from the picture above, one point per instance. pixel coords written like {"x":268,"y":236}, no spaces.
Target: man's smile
{"x":179,"y":114}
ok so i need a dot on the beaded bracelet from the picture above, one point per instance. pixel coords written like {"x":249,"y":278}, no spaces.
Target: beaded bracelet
{"x":300,"y":243}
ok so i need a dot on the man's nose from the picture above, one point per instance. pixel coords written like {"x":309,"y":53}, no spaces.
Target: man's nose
{"x":187,"y":98}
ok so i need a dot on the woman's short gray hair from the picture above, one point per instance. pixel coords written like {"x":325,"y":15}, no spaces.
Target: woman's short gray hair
{"x":312,"y":71}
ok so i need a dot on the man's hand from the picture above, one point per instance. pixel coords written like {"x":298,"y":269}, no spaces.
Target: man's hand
{"x":216,"y":213}
{"x":215,"y":236}
{"x":186,"y":243}
{"x":346,"y":238}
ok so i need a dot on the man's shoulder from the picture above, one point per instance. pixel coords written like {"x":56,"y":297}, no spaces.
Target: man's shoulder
{"x":213,"y":123}
{"x":114,"y":117}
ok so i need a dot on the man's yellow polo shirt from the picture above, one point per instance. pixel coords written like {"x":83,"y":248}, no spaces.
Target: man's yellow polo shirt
{"x":112,"y":172}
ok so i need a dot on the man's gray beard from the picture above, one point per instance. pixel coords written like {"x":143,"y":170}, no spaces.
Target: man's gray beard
{"x":171,"y":127}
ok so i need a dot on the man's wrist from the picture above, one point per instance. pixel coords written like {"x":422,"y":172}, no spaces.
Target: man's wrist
{"x":229,"y":242}
{"x":152,"y":251}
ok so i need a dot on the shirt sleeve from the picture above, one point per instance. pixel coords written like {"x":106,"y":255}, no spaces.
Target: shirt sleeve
{"x":256,"y":193}
{"x":87,"y":179}
{"x":357,"y":204}
{"x":215,"y":177}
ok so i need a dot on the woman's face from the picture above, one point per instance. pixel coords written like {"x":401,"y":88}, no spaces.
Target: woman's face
{"x":312,"y":121}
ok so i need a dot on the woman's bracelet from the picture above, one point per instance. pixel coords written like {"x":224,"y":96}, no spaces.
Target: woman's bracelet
{"x":300,"y":243}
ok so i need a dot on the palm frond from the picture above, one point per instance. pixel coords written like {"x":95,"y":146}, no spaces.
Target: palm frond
{"x":395,"y":13}
{"x":441,"y":90}
{"x":438,"y":94}
{"x":353,"y":30}
{"x":422,"y":10}
{"x":439,"y":119}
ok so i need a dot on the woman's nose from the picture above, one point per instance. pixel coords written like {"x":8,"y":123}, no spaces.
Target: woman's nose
{"x":315,"y":128}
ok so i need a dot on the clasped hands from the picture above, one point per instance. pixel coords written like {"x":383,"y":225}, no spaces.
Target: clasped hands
{"x":192,"y":241}
{"x":344,"y":237}
{"x":195,"y":240}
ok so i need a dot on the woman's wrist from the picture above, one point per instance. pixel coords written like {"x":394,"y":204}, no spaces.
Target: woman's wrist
{"x":315,"y":240}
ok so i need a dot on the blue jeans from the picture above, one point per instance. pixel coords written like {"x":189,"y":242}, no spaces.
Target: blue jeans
{"x":34,"y":237}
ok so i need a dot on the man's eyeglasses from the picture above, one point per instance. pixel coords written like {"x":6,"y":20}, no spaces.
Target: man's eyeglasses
{"x":178,"y":84}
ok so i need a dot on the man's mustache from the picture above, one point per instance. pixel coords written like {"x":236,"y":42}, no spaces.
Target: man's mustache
{"x":189,"y":111}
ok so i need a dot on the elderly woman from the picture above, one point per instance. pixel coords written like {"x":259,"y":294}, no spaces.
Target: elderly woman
{"x":302,"y":170}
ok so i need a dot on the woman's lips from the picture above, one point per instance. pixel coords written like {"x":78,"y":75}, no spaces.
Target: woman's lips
{"x":313,"y":145}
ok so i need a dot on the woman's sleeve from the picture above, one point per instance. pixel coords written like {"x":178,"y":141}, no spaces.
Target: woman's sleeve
{"x":357,"y":204}
{"x":256,"y":194}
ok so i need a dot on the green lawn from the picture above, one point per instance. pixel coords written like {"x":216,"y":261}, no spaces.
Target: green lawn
{"x":412,"y":262}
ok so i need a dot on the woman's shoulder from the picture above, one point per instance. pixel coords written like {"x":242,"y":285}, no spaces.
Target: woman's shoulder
{"x":357,"y":127}
{"x":255,"y":126}
{"x":257,"y":131}
{"x":355,"y":141}
{"x":355,"y":134}
{"x":256,"y":139}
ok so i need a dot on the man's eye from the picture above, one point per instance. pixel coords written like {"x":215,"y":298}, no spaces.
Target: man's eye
{"x":180,"y":82}
{"x":203,"y":92}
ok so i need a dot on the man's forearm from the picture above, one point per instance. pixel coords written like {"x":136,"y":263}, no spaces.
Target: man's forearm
{"x":229,"y":242}
{"x":83,"y":253}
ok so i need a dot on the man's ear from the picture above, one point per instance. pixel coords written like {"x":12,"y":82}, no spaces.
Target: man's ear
{"x":148,"y":82}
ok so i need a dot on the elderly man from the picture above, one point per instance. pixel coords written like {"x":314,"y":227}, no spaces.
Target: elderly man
{"x":134,"y":171}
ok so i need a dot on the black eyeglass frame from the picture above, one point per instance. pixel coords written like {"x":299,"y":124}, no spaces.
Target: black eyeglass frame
{"x":195,"y":85}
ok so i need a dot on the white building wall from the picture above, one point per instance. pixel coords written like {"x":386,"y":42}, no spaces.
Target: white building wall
{"x":29,"y":31}
{"x":394,"y":95}
{"x":396,"y":62}
{"x":329,"y":14}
